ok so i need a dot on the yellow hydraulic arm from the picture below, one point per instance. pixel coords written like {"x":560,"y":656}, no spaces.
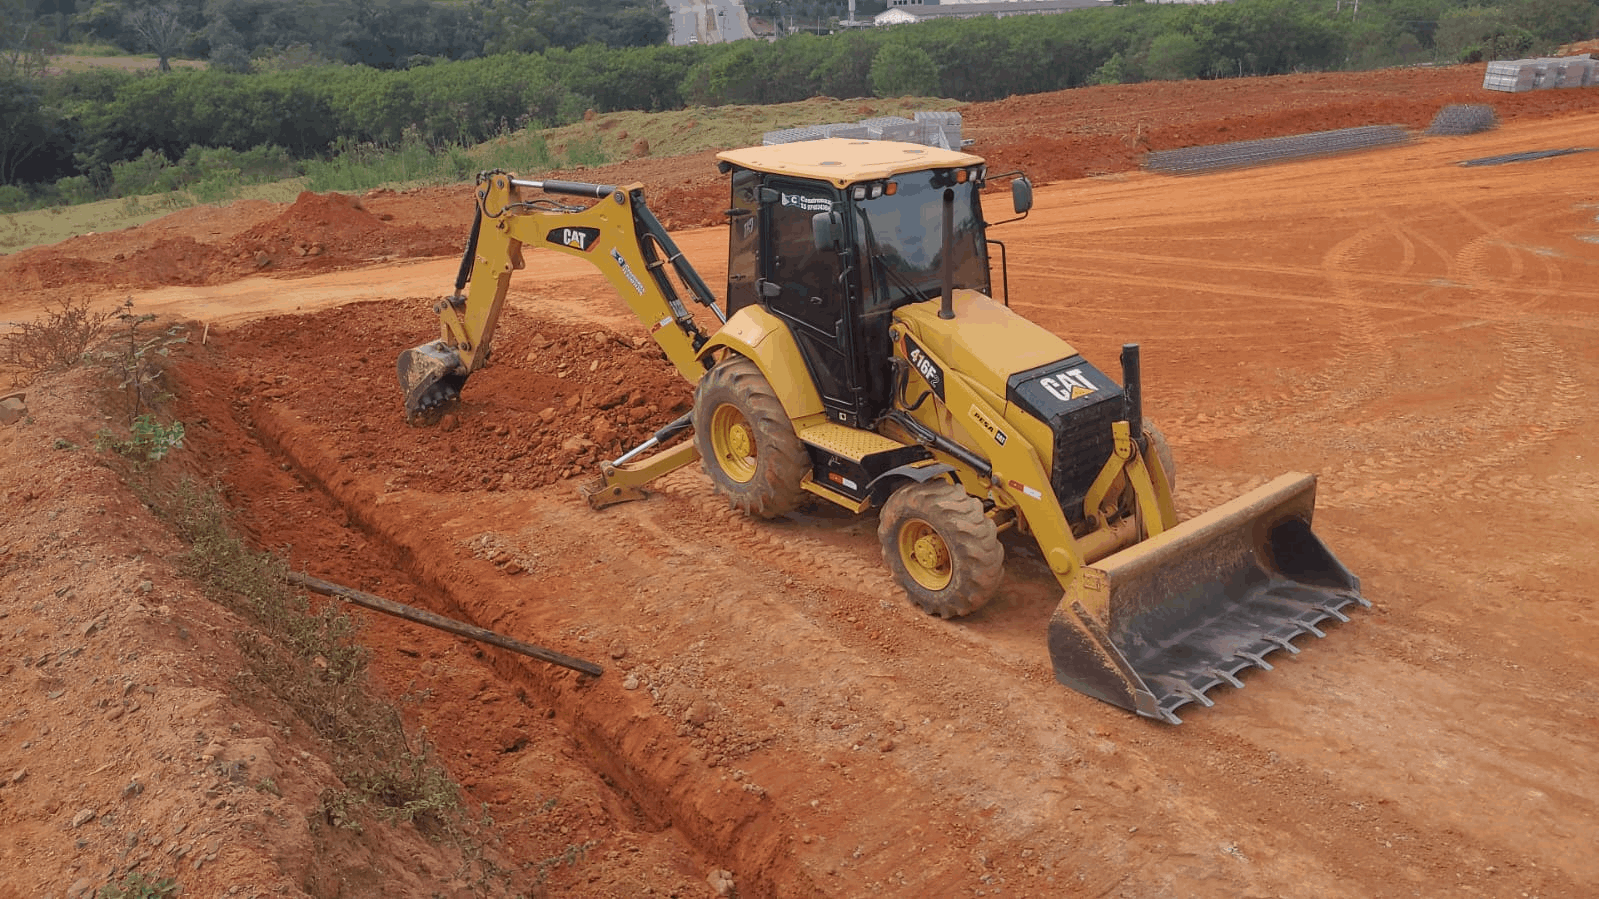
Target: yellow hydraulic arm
{"x":619,"y":235}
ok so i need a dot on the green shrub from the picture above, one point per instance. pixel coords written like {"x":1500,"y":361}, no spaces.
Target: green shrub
{"x":148,"y":439}
{"x":76,"y":189}
{"x":14,"y":198}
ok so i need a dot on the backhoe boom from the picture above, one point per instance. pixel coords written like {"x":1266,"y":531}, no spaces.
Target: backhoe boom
{"x":619,"y":235}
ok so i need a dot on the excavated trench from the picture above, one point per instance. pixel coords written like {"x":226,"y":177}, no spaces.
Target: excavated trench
{"x":297,"y":417}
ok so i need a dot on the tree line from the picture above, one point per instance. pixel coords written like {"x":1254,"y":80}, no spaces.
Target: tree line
{"x":82,"y":125}
{"x":246,"y":35}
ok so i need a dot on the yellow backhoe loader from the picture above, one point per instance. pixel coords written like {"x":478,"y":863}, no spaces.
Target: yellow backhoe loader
{"x":861,"y":360}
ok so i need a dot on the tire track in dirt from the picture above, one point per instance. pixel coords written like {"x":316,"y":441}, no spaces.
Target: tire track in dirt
{"x":1077,"y":763}
{"x":833,"y":573}
{"x":1535,"y":399}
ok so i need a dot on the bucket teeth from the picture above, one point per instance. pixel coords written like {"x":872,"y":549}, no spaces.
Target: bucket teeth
{"x":1194,"y":695}
{"x":1184,"y":669}
{"x":1254,"y":658}
{"x":1282,"y":643}
{"x":1222,"y":675}
{"x":1165,"y":621}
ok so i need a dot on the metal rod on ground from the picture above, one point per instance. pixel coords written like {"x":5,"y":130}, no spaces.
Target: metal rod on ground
{"x":400,"y":610}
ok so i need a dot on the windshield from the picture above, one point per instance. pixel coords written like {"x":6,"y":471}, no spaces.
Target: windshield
{"x":903,"y":239}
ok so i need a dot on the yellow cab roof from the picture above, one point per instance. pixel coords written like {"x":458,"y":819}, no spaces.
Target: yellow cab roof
{"x":844,"y":161}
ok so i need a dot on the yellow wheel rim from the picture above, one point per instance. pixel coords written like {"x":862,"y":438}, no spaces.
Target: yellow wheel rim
{"x":734,"y":443}
{"x":925,"y":555}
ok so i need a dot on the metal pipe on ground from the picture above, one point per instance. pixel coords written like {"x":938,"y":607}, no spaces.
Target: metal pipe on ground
{"x":460,"y":628}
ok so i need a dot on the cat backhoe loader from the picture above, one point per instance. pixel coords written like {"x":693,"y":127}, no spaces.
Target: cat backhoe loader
{"x":860,"y":359}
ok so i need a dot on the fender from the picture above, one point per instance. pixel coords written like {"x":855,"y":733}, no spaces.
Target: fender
{"x":921,"y":472}
{"x":764,"y":339}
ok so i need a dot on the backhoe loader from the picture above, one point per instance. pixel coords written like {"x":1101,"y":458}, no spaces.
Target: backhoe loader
{"x":859,"y":358}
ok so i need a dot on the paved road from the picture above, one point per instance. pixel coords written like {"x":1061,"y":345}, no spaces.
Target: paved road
{"x":708,"y":21}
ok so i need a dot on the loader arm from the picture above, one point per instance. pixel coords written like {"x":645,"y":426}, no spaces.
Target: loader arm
{"x":1154,"y":613}
{"x":619,"y":235}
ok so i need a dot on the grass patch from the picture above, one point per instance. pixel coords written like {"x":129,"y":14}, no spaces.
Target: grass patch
{"x":695,"y":130}
{"x":53,"y":224}
{"x":356,"y":167}
{"x":306,"y":656}
{"x":359,"y":167}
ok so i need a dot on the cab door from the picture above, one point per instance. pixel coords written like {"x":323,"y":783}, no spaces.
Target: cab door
{"x":810,"y":289}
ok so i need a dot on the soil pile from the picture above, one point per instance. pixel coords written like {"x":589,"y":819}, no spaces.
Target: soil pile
{"x":326,"y":231}
{"x":553,"y":402}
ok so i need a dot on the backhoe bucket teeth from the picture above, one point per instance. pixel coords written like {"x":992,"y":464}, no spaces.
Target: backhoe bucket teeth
{"x":430,"y":375}
{"x":1157,"y":625}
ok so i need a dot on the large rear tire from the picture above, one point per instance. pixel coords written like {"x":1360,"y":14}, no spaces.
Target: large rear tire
{"x":941,"y":548}
{"x":746,"y":441}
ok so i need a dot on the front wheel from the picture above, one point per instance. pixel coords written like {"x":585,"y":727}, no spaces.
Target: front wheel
{"x":746,"y":441}
{"x":941,"y":548}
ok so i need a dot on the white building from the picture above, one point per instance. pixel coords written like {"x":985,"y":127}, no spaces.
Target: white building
{"x":904,"y":12}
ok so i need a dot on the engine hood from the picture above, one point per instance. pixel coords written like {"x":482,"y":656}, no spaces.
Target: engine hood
{"x":985,"y":341}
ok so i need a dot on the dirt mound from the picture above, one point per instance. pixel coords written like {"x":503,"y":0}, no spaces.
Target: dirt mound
{"x":95,"y":259}
{"x":326,"y":231}
{"x":318,"y":232}
{"x":551,"y":404}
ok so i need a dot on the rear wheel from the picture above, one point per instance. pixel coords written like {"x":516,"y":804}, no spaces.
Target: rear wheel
{"x":941,"y":548}
{"x":746,"y":441}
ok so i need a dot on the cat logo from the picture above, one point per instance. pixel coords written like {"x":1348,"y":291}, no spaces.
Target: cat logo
{"x":1069,"y":385}
{"x":576,"y":238}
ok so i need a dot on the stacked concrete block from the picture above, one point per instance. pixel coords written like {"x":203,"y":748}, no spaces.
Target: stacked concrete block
{"x":1515,"y":76}
{"x":941,"y":129}
{"x":1511,"y":77}
{"x":791,"y":135}
{"x":934,"y":129}
{"x":848,"y":130}
{"x":875,"y":127}
{"x":909,"y":132}
{"x":1573,"y":71}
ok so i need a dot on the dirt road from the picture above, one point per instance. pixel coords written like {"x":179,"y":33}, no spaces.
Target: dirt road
{"x":1421,"y":334}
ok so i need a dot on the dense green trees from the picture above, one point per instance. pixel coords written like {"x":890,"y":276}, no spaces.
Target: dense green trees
{"x":414,"y":72}
{"x":900,"y":70}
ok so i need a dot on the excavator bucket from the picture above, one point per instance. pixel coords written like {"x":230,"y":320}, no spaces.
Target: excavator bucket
{"x":1157,"y":625}
{"x":430,"y":375}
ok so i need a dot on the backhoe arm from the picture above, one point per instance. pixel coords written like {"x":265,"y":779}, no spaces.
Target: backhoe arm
{"x":619,"y":235}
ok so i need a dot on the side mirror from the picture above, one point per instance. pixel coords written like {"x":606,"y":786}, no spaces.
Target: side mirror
{"x":1021,"y":195}
{"x":827,"y":230}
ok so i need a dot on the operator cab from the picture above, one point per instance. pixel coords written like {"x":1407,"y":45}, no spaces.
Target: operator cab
{"x":832,"y":235}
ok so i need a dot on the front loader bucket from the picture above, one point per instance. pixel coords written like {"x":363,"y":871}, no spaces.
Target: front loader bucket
{"x":1157,"y":625}
{"x":430,"y":375}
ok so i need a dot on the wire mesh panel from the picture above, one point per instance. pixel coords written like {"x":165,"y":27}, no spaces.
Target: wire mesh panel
{"x":1276,"y":149}
{"x":1463,"y":118}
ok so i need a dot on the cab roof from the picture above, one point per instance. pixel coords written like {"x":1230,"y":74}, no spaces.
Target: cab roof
{"x":843,"y":161}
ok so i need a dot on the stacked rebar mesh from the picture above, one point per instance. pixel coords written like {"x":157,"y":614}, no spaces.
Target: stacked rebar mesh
{"x":1275,"y":149}
{"x":1459,"y":119}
